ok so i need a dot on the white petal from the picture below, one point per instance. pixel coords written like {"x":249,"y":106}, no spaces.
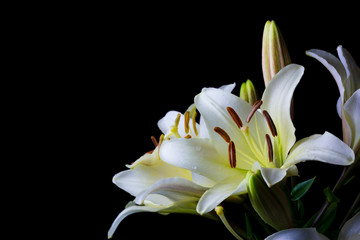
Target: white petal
{"x":333,"y":64}
{"x":131,"y":210}
{"x":147,"y":170}
{"x":175,"y":189}
{"x":272,"y":175}
{"x":277,"y":101}
{"x":352,"y":115}
{"x":197,"y":155}
{"x":167,"y":121}
{"x":228,"y":88}
{"x":212,"y":104}
{"x":324,"y":148}
{"x":352,"y":82}
{"x":297,"y":234}
{"x":213,"y":197}
{"x":351,"y":229}
{"x":135,"y":181}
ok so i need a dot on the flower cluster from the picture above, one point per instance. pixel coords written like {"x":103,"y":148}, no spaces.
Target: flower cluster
{"x":242,"y":150}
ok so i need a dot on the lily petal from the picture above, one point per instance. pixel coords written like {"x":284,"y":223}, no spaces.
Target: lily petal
{"x":277,"y":100}
{"x":351,"y":229}
{"x":234,"y":185}
{"x":352,"y":80}
{"x":131,"y":210}
{"x":197,"y":155}
{"x":272,"y":175}
{"x":147,"y":170}
{"x":324,"y":148}
{"x":212,"y":104}
{"x":297,"y":234}
{"x":352,"y":115}
{"x":334,"y":66}
{"x":175,"y":189}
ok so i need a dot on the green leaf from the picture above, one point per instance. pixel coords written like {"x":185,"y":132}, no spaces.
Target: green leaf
{"x":301,"y":189}
{"x":330,"y":196}
{"x":248,"y":227}
{"x":327,"y":218}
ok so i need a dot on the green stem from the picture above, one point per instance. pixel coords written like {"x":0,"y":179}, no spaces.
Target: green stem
{"x":347,"y":170}
{"x":353,"y":206}
{"x":220,"y":212}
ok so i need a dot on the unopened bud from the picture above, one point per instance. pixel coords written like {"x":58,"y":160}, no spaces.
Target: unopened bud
{"x":271,"y":204}
{"x":275,"y":55}
{"x":248,"y":92}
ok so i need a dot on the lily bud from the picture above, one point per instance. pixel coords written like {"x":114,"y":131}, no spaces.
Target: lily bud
{"x":248,"y":92}
{"x":271,"y":204}
{"x":275,"y":55}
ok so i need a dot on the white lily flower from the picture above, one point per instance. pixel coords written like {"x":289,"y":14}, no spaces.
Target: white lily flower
{"x":159,"y":186}
{"x":245,"y":138}
{"x":347,"y":76}
{"x":350,"y":231}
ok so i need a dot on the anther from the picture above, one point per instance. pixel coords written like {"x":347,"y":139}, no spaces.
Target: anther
{"x":177,"y":120}
{"x":270,"y":123}
{"x":232,"y":154}
{"x":222,"y":133}
{"x":153,"y":139}
{"x":194,"y":122}
{"x":188,"y":136}
{"x":235,"y":116}
{"x":270,"y":148}
{"x":187,"y":119}
{"x":254,"y":108}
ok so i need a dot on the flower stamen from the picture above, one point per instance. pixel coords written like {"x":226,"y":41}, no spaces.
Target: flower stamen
{"x":235,"y":117}
{"x":270,"y":123}
{"x":194,"y":122}
{"x":222,"y":133}
{"x":153,"y":139}
{"x":188,"y":136}
{"x":187,"y":119}
{"x":254,"y":108}
{"x":270,"y":148}
{"x":232,"y":154}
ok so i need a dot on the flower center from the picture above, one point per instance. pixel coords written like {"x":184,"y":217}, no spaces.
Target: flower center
{"x":258,"y":150}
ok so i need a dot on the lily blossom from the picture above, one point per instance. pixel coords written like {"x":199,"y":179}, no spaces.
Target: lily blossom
{"x":250,"y":138}
{"x":350,"y":231}
{"x":347,"y":76}
{"x":159,"y":186}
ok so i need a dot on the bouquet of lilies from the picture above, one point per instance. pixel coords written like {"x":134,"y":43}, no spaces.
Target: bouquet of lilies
{"x":231,"y":152}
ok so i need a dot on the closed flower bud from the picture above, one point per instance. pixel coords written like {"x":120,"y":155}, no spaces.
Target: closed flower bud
{"x":248,"y":92}
{"x":275,"y":55}
{"x":271,"y":204}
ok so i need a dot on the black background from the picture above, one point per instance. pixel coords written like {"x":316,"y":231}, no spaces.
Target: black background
{"x":135,"y":63}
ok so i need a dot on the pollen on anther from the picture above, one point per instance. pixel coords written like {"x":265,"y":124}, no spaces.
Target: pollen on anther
{"x":188,"y":136}
{"x":153,"y":139}
{"x":232,"y":154}
{"x":254,"y":108}
{"x":270,"y":123}
{"x":194,"y":122}
{"x":235,"y":116}
{"x":187,"y":119}
{"x":270,"y":148}
{"x":222,"y":133}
